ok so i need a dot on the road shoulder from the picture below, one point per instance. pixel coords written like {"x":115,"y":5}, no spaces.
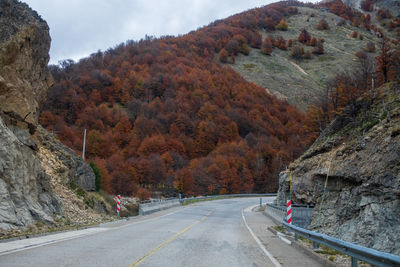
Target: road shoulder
{"x":283,"y":252}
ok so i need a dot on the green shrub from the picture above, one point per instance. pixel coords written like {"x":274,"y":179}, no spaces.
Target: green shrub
{"x":81,"y":192}
{"x":97,"y":174}
{"x":371,"y":122}
{"x":245,"y":50}
{"x":89,"y":201}
{"x":73,"y":185}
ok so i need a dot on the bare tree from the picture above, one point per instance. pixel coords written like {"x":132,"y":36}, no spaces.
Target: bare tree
{"x":349,"y":3}
{"x":367,"y":68}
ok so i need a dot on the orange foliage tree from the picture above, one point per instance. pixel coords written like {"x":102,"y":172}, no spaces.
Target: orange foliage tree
{"x":164,"y":116}
{"x":304,"y":36}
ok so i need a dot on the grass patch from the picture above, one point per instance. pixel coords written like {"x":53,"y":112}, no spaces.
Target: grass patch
{"x":325,"y":58}
{"x":249,"y":66}
{"x":278,"y":74}
{"x":367,"y":125}
{"x":279,"y":228}
{"x":305,"y":240}
{"x":275,"y":67}
{"x":328,"y":251}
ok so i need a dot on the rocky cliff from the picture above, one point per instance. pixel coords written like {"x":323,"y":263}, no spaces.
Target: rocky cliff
{"x":362,"y":155}
{"x":26,"y":189}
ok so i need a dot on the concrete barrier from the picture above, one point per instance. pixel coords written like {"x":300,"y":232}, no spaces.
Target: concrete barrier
{"x":153,"y":206}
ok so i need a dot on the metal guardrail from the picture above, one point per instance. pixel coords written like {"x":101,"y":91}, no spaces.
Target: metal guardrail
{"x":153,"y":205}
{"x":228,"y":196}
{"x":157,"y":205}
{"x":164,"y":200}
{"x":157,"y":201}
{"x":301,"y":214}
{"x":356,"y":252}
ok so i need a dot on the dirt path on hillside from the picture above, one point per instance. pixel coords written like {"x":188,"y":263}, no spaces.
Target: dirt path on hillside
{"x":298,"y":67}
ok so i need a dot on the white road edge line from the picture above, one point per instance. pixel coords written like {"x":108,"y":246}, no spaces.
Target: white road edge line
{"x":26,"y":247}
{"x":261,"y":246}
{"x":84,"y":233}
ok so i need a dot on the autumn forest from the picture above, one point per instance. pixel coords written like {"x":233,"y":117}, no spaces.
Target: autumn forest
{"x":167,"y":115}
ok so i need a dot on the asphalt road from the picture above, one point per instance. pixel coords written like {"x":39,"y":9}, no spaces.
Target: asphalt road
{"x":212,"y":233}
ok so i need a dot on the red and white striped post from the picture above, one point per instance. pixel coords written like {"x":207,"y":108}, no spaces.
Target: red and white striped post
{"x":289,"y":212}
{"x":118,"y":204}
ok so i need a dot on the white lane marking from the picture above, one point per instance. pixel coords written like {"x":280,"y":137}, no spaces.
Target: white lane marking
{"x":266,"y":252}
{"x":29,"y":243}
{"x":284,"y":239}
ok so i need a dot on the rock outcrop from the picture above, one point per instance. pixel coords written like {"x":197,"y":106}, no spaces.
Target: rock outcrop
{"x":26,"y":191}
{"x":24,"y":76}
{"x":362,"y":154}
{"x":72,"y":168}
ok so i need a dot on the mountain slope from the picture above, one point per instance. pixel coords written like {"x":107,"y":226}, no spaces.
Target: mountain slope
{"x":170,"y":103}
{"x":301,"y":81}
{"x":167,"y":103}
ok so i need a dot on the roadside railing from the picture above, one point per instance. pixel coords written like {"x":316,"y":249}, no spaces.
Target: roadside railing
{"x":156,"y":201}
{"x":183,"y":200}
{"x":153,"y":205}
{"x":301,"y":214}
{"x":147,"y":207}
{"x":356,"y":252}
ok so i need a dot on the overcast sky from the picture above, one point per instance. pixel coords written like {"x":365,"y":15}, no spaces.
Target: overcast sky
{"x":81,"y":27}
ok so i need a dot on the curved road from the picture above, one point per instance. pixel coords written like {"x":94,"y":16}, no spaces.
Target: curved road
{"x":212,"y":233}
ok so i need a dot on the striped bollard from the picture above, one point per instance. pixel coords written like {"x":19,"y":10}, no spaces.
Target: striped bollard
{"x":289,"y":212}
{"x":118,"y":204}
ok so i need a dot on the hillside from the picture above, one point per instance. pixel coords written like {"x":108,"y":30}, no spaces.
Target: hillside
{"x":301,"y":81}
{"x":177,"y":103}
{"x":168,"y":103}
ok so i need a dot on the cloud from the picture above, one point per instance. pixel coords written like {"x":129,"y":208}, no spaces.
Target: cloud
{"x":79,"y":28}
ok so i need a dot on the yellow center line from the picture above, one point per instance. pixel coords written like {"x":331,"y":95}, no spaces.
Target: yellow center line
{"x":136,"y":263}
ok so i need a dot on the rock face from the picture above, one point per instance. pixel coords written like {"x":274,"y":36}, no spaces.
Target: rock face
{"x":362,"y":200}
{"x":24,"y":47}
{"x":26,"y":194}
{"x":73,"y":168}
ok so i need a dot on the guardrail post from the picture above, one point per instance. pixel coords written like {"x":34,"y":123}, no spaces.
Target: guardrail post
{"x":260,"y":202}
{"x":354,"y":262}
{"x":356,"y":252}
{"x":296,"y":236}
